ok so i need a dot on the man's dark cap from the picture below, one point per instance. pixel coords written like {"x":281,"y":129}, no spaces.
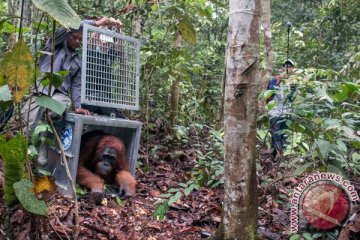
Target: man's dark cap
{"x":289,"y":62}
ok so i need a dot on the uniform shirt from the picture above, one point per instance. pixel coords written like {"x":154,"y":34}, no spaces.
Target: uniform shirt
{"x":64,"y":59}
{"x":282,"y":102}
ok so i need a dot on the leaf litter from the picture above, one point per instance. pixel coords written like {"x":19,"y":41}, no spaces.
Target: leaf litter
{"x":195,"y":216}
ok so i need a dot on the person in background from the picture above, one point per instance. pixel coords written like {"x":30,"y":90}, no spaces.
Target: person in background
{"x":278,"y":114}
{"x":66,"y":58}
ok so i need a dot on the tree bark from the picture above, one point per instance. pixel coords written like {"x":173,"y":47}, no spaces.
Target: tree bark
{"x":265,"y":21}
{"x":239,"y":215}
{"x":27,"y":13}
{"x":12,"y":6}
{"x":175,"y":89}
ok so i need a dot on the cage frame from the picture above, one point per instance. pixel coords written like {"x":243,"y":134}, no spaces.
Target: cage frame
{"x":84,"y":68}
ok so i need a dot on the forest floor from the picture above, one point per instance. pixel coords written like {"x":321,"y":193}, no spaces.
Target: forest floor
{"x":196,"y":216}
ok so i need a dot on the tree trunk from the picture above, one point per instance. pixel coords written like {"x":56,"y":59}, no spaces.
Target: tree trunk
{"x":175,"y":89}
{"x":265,"y":21}
{"x":27,"y":13}
{"x":239,"y":215}
{"x":12,"y":6}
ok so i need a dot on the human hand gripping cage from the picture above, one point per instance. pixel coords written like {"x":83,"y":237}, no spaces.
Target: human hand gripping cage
{"x":110,"y":69}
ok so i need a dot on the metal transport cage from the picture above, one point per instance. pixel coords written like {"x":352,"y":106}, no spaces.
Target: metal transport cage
{"x":110,"y":69}
{"x":70,"y":133}
{"x":110,"y":78}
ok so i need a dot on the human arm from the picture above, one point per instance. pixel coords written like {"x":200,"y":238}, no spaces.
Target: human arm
{"x":110,"y":22}
{"x":76,"y":94}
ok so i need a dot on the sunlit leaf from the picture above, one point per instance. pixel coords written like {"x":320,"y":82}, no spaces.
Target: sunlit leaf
{"x":61,"y":11}
{"x":44,"y":184}
{"x":187,"y":31}
{"x":51,"y":104}
{"x":174,"y":198}
{"x":270,"y":105}
{"x":161,"y":211}
{"x":18,"y":67}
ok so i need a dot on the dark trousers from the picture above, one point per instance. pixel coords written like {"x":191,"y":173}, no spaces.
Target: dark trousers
{"x":277,"y":130}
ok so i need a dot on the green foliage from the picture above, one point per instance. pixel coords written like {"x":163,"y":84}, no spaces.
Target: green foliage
{"x":331,"y":235}
{"x":18,"y":68}
{"x":61,"y":11}
{"x":187,"y":31}
{"x":209,"y":167}
{"x":199,"y":67}
{"x":208,"y":170}
{"x":58,"y":78}
{"x":323,"y":32}
{"x":323,"y":121}
{"x":13,"y":153}
{"x":24,"y":193}
{"x":161,"y":211}
{"x":51,"y":104}
{"x":173,"y":195}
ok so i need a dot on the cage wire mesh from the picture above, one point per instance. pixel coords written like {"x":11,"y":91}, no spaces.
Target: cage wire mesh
{"x":110,"y":69}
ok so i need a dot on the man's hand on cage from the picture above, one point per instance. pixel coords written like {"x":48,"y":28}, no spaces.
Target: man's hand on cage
{"x":82,"y":111}
{"x":110,"y":22}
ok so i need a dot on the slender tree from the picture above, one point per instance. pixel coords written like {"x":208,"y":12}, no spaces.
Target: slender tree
{"x":239,"y":215}
{"x":175,"y":88}
{"x":266,"y":24}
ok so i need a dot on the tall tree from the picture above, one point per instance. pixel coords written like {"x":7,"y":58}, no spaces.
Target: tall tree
{"x":175,"y":88}
{"x":239,"y":215}
{"x":266,"y":24}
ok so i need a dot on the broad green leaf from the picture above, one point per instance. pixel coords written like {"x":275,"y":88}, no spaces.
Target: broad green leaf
{"x":336,"y":169}
{"x":161,"y":211}
{"x":188,"y":190}
{"x":174,"y":198}
{"x":13,"y":153}
{"x":323,"y":148}
{"x":173,"y":190}
{"x":268,"y":93}
{"x":318,"y":120}
{"x":350,"y":133}
{"x":5,"y":93}
{"x":332,"y":123}
{"x":61,"y":11}
{"x":8,"y":28}
{"x":270,"y":105}
{"x":51,"y":104}
{"x":307,"y":236}
{"x":355,"y":157}
{"x":302,"y":168}
{"x":187,"y":31}
{"x":165,"y":195}
{"x":184,"y":185}
{"x":341,"y":145}
{"x":18,"y":67}
{"x":295,"y":237}
{"x":58,"y":78}
{"x":23,"y":191}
